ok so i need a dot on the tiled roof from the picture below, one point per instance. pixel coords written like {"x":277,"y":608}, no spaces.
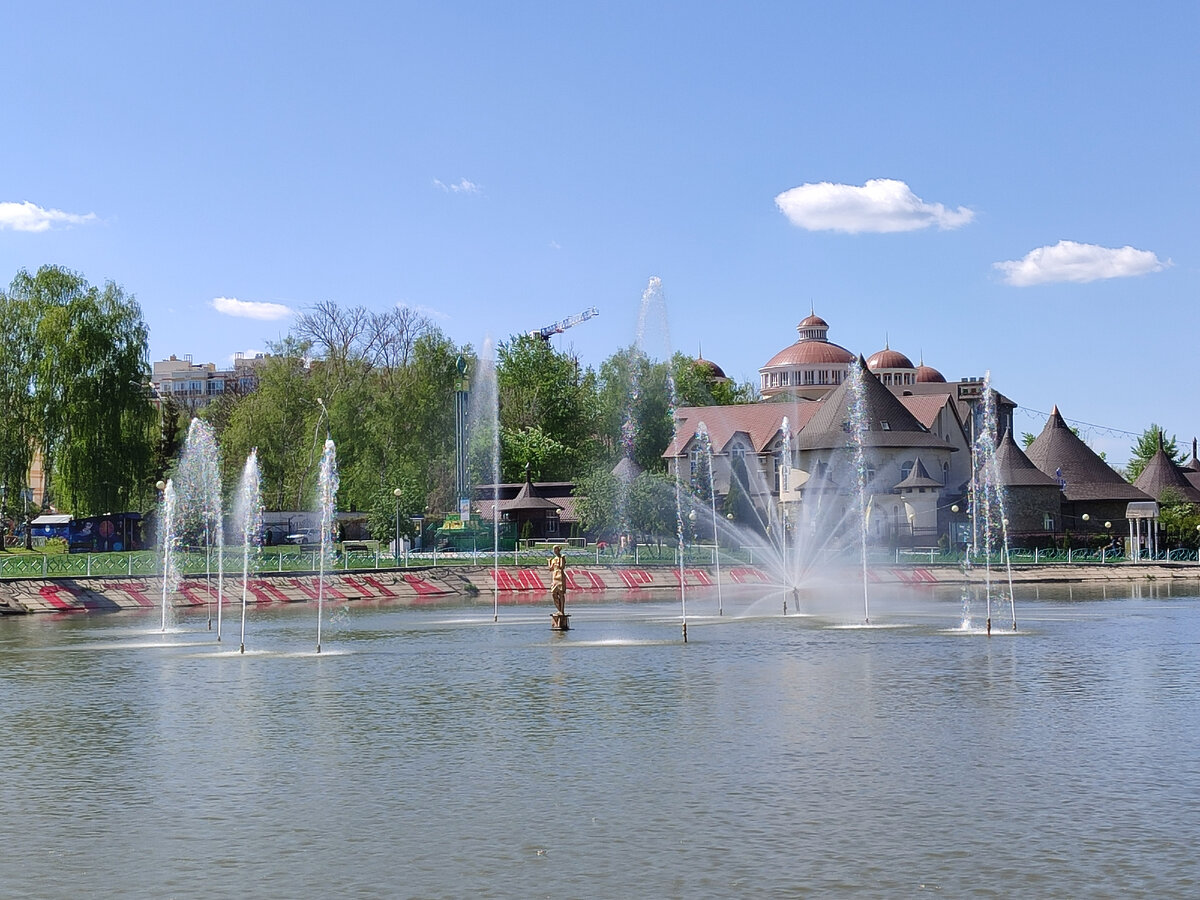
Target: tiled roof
{"x":889,"y":423}
{"x":925,"y":407}
{"x":1087,"y":476}
{"x":760,"y":422}
{"x":1015,"y":468}
{"x":1161,"y":477}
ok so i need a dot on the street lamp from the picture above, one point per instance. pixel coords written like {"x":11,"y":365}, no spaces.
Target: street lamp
{"x":396,"y":547}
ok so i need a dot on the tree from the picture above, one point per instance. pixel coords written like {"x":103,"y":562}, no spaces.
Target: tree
{"x":547,"y":410}
{"x":90,"y":415}
{"x":1146,"y":446}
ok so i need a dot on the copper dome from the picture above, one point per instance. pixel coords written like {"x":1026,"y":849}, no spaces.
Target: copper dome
{"x":888,"y":358}
{"x":711,"y":369}
{"x":929,"y":375}
{"x":813,"y":321}
{"x":810,"y":352}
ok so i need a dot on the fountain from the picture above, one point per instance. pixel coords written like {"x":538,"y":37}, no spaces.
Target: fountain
{"x":988,"y":512}
{"x":170,"y":565}
{"x":247,"y":514}
{"x":327,"y":485}
{"x":483,"y":449}
{"x":859,"y":425}
{"x":198,"y":487}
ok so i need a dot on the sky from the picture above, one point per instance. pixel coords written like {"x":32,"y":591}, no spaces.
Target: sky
{"x":993,"y":188}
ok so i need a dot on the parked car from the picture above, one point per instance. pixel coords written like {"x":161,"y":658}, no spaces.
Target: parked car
{"x":308,"y":536}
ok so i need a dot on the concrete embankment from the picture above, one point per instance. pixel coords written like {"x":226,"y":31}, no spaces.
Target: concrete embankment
{"x":514,"y":584}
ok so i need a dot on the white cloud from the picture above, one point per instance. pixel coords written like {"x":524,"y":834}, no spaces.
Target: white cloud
{"x":555,"y":245}
{"x":880,"y":205}
{"x":462,"y":186}
{"x":427,"y":311}
{"x":1081,"y":263}
{"x":31,"y":217}
{"x":250,"y":309}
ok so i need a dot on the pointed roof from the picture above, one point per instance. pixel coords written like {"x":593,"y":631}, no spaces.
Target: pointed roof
{"x":1193,"y":463}
{"x":889,"y":423}
{"x":1015,"y":468}
{"x":918,"y":477}
{"x":1162,"y":477}
{"x":527,"y":498}
{"x":1087,"y":477}
{"x":626,"y":471}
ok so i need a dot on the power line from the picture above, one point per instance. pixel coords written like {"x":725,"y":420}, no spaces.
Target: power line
{"x":1092,"y":427}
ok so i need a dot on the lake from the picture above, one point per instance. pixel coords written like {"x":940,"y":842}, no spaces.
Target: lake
{"x":432,"y":752}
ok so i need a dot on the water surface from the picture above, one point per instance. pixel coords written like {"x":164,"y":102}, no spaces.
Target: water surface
{"x":433,"y":753}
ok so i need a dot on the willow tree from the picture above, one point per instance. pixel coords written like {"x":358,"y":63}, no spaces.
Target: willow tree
{"x":88,"y":410}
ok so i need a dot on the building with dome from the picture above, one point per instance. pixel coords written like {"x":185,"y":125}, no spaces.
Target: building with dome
{"x":808,"y":369}
{"x":813,"y":366}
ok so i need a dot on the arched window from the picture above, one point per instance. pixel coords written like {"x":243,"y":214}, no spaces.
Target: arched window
{"x":906,"y":469}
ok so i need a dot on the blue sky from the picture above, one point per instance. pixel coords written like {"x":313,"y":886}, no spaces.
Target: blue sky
{"x":502,"y":166}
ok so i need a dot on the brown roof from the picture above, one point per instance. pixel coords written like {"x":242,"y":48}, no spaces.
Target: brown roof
{"x":929,"y":375}
{"x":887,"y":358}
{"x":1086,"y":476}
{"x":1015,"y":469}
{"x":813,"y":321}
{"x":1162,"y":477}
{"x":925,"y":408}
{"x":889,"y":423}
{"x":810,"y":352}
{"x":760,"y":422}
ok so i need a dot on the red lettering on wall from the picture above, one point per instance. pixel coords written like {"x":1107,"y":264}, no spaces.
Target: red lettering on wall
{"x":746,"y":576}
{"x":136,"y":590}
{"x":50,"y":595}
{"x":525,"y":580}
{"x":636,"y":577}
{"x":583,"y":580}
{"x":421,"y":586}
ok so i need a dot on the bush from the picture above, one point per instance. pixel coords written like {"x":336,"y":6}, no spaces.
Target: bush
{"x":55,"y":545}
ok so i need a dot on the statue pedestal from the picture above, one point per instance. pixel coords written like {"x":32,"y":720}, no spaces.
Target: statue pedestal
{"x":560,"y":621}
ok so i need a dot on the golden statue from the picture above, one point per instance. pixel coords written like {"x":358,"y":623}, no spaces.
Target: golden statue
{"x":558,"y":588}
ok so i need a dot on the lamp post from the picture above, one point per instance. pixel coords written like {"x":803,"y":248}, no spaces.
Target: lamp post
{"x":396,"y":547}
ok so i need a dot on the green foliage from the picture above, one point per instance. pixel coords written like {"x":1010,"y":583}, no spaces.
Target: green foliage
{"x":73,"y":386}
{"x":599,"y":502}
{"x":55,"y":545}
{"x":652,"y":510}
{"x":1027,"y":439}
{"x":1146,"y":446}
{"x":547,"y":411}
{"x":381,"y":519}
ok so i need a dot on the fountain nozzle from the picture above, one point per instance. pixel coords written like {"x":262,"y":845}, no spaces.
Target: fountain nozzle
{"x":989,"y":626}
{"x":685,"y":632}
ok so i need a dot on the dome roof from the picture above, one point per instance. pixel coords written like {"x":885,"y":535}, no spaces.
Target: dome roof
{"x":813,"y":321}
{"x":810,"y":352}
{"x":888,"y":358}
{"x":710,"y":368}
{"x":929,"y":375}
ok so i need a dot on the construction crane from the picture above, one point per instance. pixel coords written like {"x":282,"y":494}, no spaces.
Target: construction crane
{"x":559,"y":327}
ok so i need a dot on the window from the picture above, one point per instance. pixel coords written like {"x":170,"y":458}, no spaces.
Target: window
{"x":905,"y":470}
{"x":551,"y":522}
{"x":694,"y":458}
{"x":1047,"y":522}
{"x":884,"y":426}
{"x":945,"y":473}
{"x":737,"y":451}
